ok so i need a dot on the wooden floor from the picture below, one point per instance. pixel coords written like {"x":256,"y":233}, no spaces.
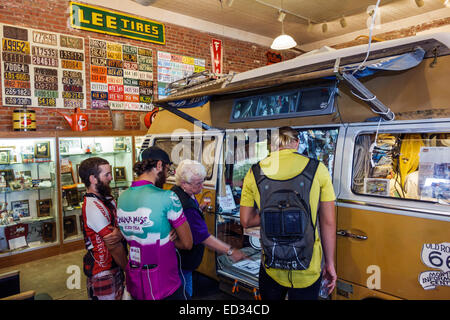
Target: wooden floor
{"x":51,"y":276}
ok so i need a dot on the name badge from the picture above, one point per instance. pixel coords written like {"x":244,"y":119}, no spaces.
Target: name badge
{"x":135,"y":255}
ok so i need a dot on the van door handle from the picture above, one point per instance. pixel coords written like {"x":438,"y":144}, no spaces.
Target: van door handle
{"x":345,"y":233}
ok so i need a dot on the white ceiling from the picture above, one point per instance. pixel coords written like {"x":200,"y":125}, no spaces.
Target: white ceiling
{"x":253,"y":21}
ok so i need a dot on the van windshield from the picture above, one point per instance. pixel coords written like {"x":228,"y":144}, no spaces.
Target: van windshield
{"x":241,"y":152}
{"x":180,"y":148}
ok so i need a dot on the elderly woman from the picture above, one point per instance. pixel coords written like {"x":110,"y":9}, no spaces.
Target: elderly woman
{"x":189,"y":179}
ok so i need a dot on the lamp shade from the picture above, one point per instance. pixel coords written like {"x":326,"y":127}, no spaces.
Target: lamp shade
{"x":283,"y":42}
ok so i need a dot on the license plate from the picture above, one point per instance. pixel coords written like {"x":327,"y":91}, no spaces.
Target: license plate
{"x":43,"y":61}
{"x":73,"y":95}
{"x":71,"y":55}
{"x":116,"y":72}
{"x":16,"y":67}
{"x":17,"y":46}
{"x":17,"y":92}
{"x":18,"y":101}
{"x":70,"y":64}
{"x":46,"y":102}
{"x":44,"y":52}
{"x":16,"y":76}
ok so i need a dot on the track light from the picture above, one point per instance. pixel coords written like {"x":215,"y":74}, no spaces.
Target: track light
{"x":283,"y":41}
{"x":230,"y":3}
{"x":324,"y":28}
{"x":281,"y":16}
{"x":343,"y":22}
{"x":420,"y":3}
{"x":145,"y":2}
{"x":446,"y":2}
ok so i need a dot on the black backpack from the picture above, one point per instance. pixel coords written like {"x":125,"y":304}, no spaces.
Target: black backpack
{"x":287,"y":229}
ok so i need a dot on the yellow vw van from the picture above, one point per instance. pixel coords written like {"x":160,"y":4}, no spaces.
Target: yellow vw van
{"x":381,"y":125}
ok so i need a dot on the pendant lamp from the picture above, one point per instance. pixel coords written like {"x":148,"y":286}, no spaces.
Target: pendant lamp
{"x":283,"y":41}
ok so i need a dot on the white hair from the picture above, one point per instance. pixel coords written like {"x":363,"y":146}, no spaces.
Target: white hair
{"x":188,"y":169}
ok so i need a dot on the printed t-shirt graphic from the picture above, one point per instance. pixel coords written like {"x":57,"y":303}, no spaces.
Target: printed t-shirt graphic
{"x":96,"y":219}
{"x":145,"y":216}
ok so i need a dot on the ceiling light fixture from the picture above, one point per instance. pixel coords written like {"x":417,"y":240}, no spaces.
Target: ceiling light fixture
{"x":281,"y":16}
{"x":324,"y":27}
{"x":420,"y":3}
{"x":343,"y":22}
{"x":446,"y":2}
{"x":230,"y":3}
{"x":145,"y":2}
{"x":283,"y":41}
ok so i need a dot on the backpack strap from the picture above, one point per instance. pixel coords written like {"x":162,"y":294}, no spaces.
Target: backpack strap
{"x":257,"y":173}
{"x":310,"y":170}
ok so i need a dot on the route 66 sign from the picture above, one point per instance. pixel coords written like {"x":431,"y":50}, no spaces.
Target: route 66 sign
{"x":436,"y":256}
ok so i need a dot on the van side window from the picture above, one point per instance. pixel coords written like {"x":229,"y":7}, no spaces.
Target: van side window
{"x":411,"y":166}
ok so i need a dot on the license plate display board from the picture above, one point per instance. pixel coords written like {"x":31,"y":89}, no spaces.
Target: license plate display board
{"x":173,"y":67}
{"x":41,"y":68}
{"x":121,"y":76}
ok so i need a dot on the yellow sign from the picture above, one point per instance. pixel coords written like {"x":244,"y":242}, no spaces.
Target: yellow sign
{"x":100,"y":20}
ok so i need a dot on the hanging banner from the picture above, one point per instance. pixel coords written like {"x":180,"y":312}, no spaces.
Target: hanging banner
{"x":217,"y":56}
{"x":100,"y":20}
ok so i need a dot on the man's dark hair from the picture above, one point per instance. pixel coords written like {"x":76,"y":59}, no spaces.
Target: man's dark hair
{"x":144,"y":166}
{"x":90,"y":167}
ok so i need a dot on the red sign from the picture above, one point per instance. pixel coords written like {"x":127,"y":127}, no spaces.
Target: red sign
{"x":273,"y":57}
{"x":217,"y":56}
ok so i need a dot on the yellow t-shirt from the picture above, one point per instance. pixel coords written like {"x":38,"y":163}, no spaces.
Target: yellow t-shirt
{"x":282,"y":165}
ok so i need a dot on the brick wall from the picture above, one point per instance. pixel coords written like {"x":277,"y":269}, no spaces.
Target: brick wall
{"x":53,"y":15}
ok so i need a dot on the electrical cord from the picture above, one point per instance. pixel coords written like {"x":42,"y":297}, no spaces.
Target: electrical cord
{"x":370,"y":37}
{"x":150,"y":283}
{"x":182,"y":275}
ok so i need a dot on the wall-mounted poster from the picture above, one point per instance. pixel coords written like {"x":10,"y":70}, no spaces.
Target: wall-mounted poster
{"x":173,"y":67}
{"x":41,"y":68}
{"x":121,"y":76}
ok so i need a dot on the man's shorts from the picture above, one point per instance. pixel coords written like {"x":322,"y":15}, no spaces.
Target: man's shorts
{"x":106,"y":285}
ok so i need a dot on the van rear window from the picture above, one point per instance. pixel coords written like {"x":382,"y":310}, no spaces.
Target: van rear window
{"x":410,"y":166}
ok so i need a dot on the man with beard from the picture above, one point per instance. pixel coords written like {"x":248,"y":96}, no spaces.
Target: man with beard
{"x":146,"y":215}
{"x":106,"y":258}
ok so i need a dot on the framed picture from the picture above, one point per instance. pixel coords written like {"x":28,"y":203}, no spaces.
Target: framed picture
{"x":7,"y":176}
{"x":44,"y":207}
{"x":120,"y":174}
{"x":42,"y":149}
{"x":98,"y":147}
{"x":72,"y":197}
{"x":120,"y":143}
{"x":49,"y":231}
{"x":5,"y":155}
{"x":377,"y":187}
{"x":70,"y":226}
{"x":21,"y":208}
{"x":67,"y":178}
{"x":63,"y":148}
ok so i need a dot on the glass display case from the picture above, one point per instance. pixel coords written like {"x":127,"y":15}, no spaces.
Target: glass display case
{"x":28,"y":194}
{"x":315,"y":143}
{"x":118,"y":151}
